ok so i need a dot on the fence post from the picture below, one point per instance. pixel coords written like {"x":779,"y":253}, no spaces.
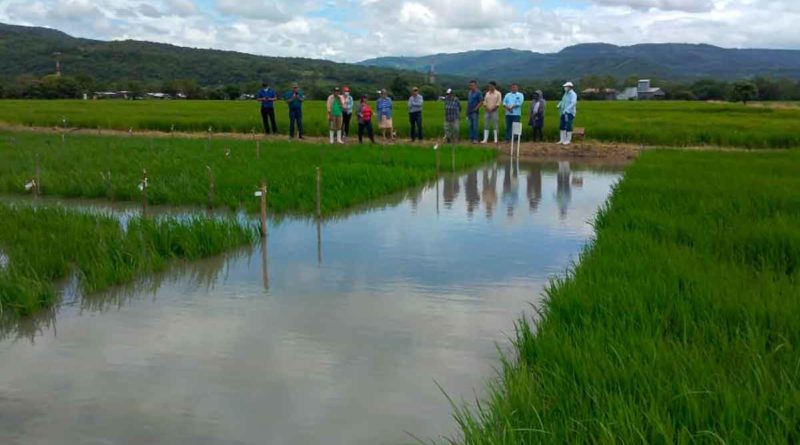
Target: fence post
{"x":319,"y":194}
{"x":263,"y":198}
{"x":143,"y":187}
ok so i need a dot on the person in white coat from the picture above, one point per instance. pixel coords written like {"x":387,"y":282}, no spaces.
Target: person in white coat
{"x":568,"y":108}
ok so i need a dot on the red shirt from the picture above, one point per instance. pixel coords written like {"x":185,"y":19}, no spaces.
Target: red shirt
{"x":366,"y":112}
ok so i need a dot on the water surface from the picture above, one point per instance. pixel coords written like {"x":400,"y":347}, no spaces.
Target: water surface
{"x":338,"y":338}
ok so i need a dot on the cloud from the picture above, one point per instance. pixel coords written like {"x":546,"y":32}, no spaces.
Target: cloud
{"x":352,"y":30}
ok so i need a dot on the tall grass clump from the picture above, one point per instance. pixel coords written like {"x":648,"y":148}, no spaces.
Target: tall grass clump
{"x":680,"y":324}
{"x":663,"y":123}
{"x":44,"y":245}
{"x":178,"y":170}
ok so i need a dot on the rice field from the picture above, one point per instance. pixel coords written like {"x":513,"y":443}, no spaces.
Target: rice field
{"x":648,"y":123}
{"x":678,"y":326}
{"x":42,"y":246}
{"x":183,"y":171}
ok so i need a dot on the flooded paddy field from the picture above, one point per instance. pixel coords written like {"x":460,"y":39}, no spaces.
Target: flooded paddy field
{"x":336,"y":333}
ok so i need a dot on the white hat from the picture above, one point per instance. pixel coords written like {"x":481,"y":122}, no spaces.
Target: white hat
{"x":568,"y":84}
{"x":449,"y":90}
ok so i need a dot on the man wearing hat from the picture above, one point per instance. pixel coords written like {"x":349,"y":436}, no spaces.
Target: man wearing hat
{"x":568,"y":108}
{"x":348,"y":111}
{"x":335,"y":115}
{"x":294,"y":99}
{"x":415,"y":114}
{"x":452,"y":116}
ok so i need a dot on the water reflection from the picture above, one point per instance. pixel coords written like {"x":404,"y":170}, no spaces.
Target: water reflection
{"x":270,"y":344}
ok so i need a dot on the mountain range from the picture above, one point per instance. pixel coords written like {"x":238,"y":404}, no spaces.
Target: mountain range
{"x":663,"y":61}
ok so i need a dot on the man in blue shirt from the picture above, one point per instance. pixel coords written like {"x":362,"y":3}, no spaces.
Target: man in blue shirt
{"x":294,"y":99}
{"x":267,"y":97}
{"x":474,"y":102}
{"x":567,"y":108}
{"x":512,"y":103}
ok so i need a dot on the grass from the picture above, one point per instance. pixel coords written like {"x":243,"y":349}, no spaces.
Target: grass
{"x":680,"y":324}
{"x":178,"y":170}
{"x":648,"y":123}
{"x":47,"y":244}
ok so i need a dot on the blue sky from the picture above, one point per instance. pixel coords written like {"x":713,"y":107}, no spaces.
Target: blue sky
{"x":352,"y":30}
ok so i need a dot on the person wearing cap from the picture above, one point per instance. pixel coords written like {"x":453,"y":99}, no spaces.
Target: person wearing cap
{"x":294,"y":99}
{"x":536,"y":119}
{"x":364,"y":115}
{"x":267,"y":97}
{"x":335,"y":107}
{"x":384,"y":107}
{"x":512,"y":103}
{"x":347,"y":112}
{"x":568,"y":108}
{"x":491,"y":104}
{"x":474,"y":102}
{"x":415,"y":102}
{"x":452,"y":116}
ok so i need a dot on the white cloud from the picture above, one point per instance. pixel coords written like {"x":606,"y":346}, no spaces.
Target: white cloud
{"x":352,"y":30}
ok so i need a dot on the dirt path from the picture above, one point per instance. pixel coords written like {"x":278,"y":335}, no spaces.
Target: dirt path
{"x":579,"y":149}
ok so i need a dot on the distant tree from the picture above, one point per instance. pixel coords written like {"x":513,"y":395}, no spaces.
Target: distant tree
{"x":399,"y":87}
{"x":744,"y":91}
{"x":85,"y":81}
{"x":233,"y":92}
{"x":710,"y":89}
{"x":430,"y":92}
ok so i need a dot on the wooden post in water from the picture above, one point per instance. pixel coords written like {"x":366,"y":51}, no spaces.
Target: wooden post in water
{"x":38,"y":186}
{"x":319,"y":194}
{"x":210,"y":187}
{"x":143,"y":187}
{"x":264,"y":264}
{"x":263,"y":198}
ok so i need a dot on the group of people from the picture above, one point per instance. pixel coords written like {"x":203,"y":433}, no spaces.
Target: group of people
{"x":341,"y":107}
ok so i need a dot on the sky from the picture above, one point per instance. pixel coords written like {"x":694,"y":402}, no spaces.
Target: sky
{"x":354,"y":30}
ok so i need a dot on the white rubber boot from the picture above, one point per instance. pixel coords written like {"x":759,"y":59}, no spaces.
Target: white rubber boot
{"x":495,"y":136}
{"x":568,"y":139}
{"x":331,"y":133}
{"x":339,"y":137}
{"x":485,"y":136}
{"x":563,"y":137}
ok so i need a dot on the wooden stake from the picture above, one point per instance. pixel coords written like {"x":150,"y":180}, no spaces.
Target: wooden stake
{"x":263,"y":199}
{"x":319,"y":193}
{"x":38,"y":186}
{"x":144,"y":192}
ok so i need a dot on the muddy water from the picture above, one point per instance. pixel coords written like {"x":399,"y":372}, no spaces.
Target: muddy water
{"x":339,"y":337}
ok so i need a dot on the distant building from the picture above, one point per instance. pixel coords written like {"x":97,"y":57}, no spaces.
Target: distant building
{"x":630,"y":93}
{"x":111,"y":95}
{"x":645,"y":92}
{"x":159,"y":96}
{"x":599,"y":94}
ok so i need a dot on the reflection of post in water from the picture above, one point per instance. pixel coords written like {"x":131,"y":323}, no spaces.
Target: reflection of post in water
{"x":319,"y":241}
{"x":264,"y":264}
{"x":437,"y":194}
{"x":510,"y":186}
{"x":471,"y":191}
{"x":451,"y":189}
{"x":453,"y":160}
{"x":534,"y":187}
{"x":490,"y":190}
{"x":563,"y":189}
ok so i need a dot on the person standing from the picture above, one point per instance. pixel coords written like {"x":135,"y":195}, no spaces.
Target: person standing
{"x":335,"y":108}
{"x":513,"y":106}
{"x":491,"y":104}
{"x":267,"y":97}
{"x":364,"y":115}
{"x":568,"y":108}
{"x":348,"y":112}
{"x":452,"y":116}
{"x":294,"y":99}
{"x":415,"y":114}
{"x":474,"y":102}
{"x":536,"y":121}
{"x":384,"y":107}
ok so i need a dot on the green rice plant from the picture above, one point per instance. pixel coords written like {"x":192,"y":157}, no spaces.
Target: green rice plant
{"x":680,"y":324}
{"x":646,"y":122}
{"x":178,"y":170}
{"x":45,"y":245}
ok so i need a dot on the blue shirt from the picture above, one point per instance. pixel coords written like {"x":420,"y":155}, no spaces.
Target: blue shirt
{"x":569,"y":103}
{"x":384,"y":107}
{"x":473,"y":99}
{"x":295,"y":104}
{"x":515,"y":101}
{"x":267,"y":93}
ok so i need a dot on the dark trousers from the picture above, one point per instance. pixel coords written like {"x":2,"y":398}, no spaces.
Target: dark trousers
{"x":295,"y":118}
{"x":346,"y":123}
{"x":365,"y":126}
{"x":268,"y":116}
{"x":537,"y":134}
{"x":566,"y":122}
{"x":415,"y":118}
{"x":509,"y":123}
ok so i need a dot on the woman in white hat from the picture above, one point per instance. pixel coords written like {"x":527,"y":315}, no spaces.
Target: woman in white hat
{"x":568,"y":108}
